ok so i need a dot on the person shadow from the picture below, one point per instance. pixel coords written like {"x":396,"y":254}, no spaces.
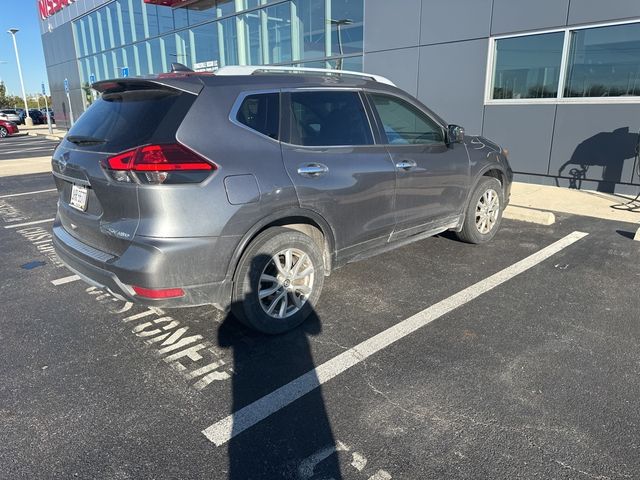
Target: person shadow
{"x":608,"y":150}
{"x":296,"y":442}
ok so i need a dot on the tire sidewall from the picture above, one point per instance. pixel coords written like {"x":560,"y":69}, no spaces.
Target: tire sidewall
{"x":245,"y":302}
{"x":3,"y":132}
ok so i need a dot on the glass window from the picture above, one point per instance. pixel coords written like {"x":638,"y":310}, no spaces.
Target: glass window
{"x":165,"y":19}
{"x":261,"y":112}
{"x":202,"y":11}
{"x":528,"y":67}
{"x":604,"y":62}
{"x":151,"y":15}
{"x":404,"y":124}
{"x":346,"y":26}
{"x":312,"y":28}
{"x":279,"y":36}
{"x":328,"y":118}
{"x":204,"y":44}
{"x":227,"y":41}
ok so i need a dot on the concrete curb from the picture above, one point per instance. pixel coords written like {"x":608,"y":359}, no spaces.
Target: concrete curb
{"x":46,"y":135}
{"x":637,"y":237}
{"x":529,"y":215}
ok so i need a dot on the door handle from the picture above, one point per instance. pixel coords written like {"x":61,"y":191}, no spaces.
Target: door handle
{"x":312,"y":170}
{"x":406,"y":164}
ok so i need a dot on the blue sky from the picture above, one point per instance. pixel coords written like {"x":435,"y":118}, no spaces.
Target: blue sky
{"x":23,"y":15}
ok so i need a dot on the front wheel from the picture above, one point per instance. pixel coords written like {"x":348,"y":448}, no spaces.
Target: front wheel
{"x":278,"y":281}
{"x":3,"y":132}
{"x":484,"y":212}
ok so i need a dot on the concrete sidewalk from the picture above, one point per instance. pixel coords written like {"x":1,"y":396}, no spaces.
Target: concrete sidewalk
{"x":43,"y":131}
{"x":577,"y":202}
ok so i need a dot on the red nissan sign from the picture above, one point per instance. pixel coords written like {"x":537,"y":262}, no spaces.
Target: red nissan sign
{"x":49,"y":7}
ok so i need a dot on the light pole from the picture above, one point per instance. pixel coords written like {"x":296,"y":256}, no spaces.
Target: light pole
{"x":28,"y":121}
{"x":338,"y":24}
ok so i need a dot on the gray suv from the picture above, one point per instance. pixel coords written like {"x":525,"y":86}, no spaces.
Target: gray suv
{"x":247,"y":187}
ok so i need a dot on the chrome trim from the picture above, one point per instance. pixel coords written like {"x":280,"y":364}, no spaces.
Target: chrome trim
{"x":233,"y":114}
{"x":74,"y":180}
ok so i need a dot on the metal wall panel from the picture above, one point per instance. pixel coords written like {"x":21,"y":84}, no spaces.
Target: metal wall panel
{"x":454,"y":20}
{"x":387,"y":27}
{"x":400,"y":66}
{"x":595,"y":142}
{"x":585,"y":11}
{"x":526,"y":130}
{"x":451,"y":81}
{"x":517,"y":15}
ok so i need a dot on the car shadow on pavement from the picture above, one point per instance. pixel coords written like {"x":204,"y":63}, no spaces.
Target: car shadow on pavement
{"x":286,"y":444}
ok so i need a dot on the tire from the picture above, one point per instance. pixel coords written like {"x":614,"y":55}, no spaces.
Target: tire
{"x":3,"y":132}
{"x":473,"y":228}
{"x":258,"y":265}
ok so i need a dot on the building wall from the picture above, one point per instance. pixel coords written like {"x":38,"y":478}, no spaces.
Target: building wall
{"x":437,"y":50}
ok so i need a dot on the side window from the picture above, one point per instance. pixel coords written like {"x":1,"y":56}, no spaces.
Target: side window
{"x":261,"y":112}
{"x":325,"y":118}
{"x":404,"y":124}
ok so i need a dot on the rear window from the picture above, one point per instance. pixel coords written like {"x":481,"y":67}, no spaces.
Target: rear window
{"x":261,"y":112}
{"x":122,"y":120}
{"x":326,"y":118}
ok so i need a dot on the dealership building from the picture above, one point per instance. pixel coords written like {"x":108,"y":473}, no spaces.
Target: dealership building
{"x":557,"y":82}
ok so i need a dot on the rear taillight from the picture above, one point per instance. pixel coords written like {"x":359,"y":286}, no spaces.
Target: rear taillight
{"x":158,"y":164}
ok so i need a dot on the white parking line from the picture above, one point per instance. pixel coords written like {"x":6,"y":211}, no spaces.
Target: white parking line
{"x":63,"y":280}
{"x":227,"y":428}
{"x":28,"y":193}
{"x":16,"y":225}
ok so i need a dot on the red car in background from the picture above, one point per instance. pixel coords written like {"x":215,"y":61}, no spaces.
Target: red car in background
{"x":7,"y":128}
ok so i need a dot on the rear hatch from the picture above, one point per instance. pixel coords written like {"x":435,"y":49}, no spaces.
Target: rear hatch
{"x":98,"y":205}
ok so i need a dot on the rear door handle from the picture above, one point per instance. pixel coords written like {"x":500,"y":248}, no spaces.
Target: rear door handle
{"x":312,"y":170}
{"x":406,"y":164}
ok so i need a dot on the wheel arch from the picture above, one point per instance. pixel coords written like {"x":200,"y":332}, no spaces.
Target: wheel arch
{"x":305,"y":221}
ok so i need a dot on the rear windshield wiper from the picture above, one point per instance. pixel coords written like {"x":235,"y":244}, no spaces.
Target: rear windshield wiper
{"x":84,"y":140}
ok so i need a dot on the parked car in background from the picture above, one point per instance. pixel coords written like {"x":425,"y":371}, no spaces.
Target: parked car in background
{"x":22,"y":114}
{"x":51,"y":114}
{"x":37,"y":116}
{"x":7,"y":128}
{"x":245,"y":191}
{"x":10,"y":114}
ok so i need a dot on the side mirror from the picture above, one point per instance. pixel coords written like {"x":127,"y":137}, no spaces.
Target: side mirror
{"x":456,"y":134}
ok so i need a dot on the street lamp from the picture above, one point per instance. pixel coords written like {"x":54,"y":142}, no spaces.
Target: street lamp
{"x":28,"y":121}
{"x":338,"y":24}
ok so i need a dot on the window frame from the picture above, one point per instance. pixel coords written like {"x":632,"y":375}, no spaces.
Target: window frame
{"x":381,"y":137}
{"x":564,"y":67}
{"x":285,"y":116}
{"x":235,"y":108}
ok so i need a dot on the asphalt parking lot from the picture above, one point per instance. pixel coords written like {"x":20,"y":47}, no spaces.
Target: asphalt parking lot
{"x":437,"y":360}
{"x":24,"y":146}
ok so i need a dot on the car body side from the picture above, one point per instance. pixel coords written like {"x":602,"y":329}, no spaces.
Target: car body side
{"x":193,"y":235}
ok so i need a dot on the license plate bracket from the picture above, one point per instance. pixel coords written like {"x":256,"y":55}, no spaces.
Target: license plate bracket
{"x":78,"y":198}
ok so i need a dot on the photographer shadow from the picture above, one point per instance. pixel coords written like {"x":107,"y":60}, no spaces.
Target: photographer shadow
{"x":278,"y":447}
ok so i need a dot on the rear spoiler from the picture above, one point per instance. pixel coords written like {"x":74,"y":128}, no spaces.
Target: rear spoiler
{"x":184,"y":82}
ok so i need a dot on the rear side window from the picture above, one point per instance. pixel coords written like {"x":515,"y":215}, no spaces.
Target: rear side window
{"x":126,"y":119}
{"x":325,"y":118}
{"x":404,"y":124}
{"x":261,"y":112}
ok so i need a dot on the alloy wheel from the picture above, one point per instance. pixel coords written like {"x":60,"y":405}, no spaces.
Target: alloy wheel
{"x":286,"y":283}
{"x":487,"y":211}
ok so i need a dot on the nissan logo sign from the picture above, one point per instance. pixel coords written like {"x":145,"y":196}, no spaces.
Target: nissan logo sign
{"x":49,"y":7}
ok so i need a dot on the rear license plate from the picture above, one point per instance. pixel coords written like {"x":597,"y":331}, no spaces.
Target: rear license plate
{"x":79,"y":197}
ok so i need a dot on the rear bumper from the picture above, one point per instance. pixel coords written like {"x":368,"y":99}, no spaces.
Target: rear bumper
{"x":145,"y":265}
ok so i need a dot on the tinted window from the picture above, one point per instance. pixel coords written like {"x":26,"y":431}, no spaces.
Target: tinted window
{"x":604,"y":62}
{"x":261,"y":112}
{"x":528,"y":67}
{"x":404,"y":124}
{"x":328,"y":119}
{"x":128,"y":119}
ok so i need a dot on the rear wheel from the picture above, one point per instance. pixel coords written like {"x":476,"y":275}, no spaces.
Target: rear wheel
{"x":3,"y":132}
{"x":484,"y":212}
{"x":278,"y":281}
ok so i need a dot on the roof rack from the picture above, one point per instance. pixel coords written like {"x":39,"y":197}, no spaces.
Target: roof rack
{"x":257,"y":69}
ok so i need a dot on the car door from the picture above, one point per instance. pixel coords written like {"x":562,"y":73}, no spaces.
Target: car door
{"x":432,"y":175}
{"x":336,"y":168}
